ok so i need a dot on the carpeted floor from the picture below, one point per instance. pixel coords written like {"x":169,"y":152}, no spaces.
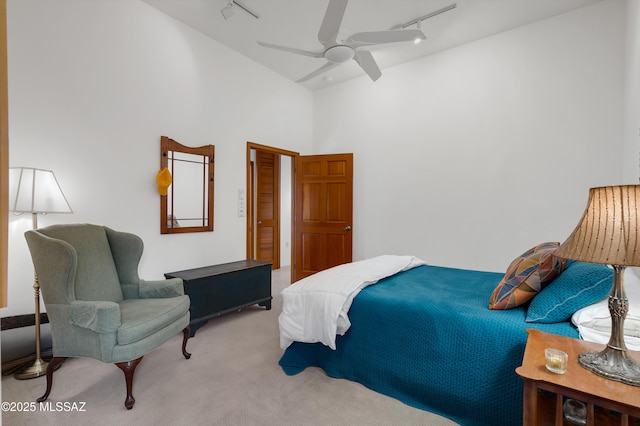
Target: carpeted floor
{"x":232,"y":378}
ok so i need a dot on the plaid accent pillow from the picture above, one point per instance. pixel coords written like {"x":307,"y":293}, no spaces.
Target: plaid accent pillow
{"x":526,"y":276}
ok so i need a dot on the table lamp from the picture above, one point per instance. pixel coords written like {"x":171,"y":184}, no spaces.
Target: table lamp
{"x":35,"y":191}
{"x":608,"y":233}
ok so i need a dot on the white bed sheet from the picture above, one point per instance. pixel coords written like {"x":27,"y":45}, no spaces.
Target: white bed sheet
{"x":315,"y":308}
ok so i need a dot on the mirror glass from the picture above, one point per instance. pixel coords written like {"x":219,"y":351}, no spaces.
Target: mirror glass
{"x":188,"y":205}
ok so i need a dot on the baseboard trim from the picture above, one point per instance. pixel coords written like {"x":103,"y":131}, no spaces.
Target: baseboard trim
{"x":18,"y":321}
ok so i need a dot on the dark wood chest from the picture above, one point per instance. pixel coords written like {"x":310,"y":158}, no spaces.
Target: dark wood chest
{"x":218,"y":289}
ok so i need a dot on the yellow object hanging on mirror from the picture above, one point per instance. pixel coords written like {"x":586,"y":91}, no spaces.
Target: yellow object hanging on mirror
{"x":163,"y":179}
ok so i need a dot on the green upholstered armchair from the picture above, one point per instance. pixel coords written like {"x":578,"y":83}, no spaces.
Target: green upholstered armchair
{"x":98,"y":307}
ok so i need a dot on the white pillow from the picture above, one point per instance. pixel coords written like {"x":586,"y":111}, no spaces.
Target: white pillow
{"x":594,"y":321}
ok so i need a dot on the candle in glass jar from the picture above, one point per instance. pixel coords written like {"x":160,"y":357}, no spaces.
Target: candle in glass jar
{"x":556,"y":360}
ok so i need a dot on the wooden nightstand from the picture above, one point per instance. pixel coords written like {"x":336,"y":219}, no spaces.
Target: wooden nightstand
{"x":608,"y":402}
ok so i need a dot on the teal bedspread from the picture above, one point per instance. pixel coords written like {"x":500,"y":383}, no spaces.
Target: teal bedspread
{"x":426,"y":337}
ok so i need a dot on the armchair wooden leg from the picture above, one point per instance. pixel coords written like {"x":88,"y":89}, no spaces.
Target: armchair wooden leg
{"x":128,"y":368}
{"x":53,"y":365}
{"x":186,"y":332}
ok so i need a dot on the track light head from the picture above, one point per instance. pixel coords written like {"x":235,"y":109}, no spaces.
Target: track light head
{"x":418,"y":39}
{"x":228,"y":10}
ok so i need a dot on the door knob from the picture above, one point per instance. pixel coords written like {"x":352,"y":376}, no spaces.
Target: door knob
{"x":347,"y":228}
{"x":259,"y":222}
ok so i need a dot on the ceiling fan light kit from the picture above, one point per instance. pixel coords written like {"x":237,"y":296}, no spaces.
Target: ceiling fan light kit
{"x":354,"y":47}
{"x":339,"y":54}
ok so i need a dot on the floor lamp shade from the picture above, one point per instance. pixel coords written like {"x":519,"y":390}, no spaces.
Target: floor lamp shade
{"x":35,"y":191}
{"x":609,"y":233}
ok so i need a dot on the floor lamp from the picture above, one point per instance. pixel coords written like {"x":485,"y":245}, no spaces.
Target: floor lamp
{"x":35,"y":191}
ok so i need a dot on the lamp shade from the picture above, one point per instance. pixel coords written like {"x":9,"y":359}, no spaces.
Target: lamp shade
{"x":608,"y":230}
{"x":35,"y":191}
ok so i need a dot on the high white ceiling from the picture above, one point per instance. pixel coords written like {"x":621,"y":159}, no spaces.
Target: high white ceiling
{"x":295,"y":23}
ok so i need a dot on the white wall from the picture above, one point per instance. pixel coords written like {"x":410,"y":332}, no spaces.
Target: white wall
{"x":93,"y":86}
{"x":471,"y":156}
{"x":465,"y":158}
{"x":632,"y":94}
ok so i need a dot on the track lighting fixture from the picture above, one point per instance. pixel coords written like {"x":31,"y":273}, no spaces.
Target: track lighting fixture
{"x":230,"y":8}
{"x":418,"y":39}
{"x":418,"y":21}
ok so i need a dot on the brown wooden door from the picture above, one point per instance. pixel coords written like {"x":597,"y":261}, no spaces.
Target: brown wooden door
{"x":323,"y":213}
{"x":268,"y":207}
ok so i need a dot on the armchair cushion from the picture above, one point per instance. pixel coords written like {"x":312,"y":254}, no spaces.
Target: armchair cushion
{"x":101,"y":317}
{"x":143,"y":317}
{"x":159,"y":289}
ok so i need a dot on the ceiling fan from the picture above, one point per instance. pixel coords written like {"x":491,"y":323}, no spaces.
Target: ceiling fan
{"x":337,"y":52}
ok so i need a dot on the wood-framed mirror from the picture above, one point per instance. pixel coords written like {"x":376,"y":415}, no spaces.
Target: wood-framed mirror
{"x":188,"y":204}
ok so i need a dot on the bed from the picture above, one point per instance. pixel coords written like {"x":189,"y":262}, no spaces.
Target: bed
{"x":425,"y":336}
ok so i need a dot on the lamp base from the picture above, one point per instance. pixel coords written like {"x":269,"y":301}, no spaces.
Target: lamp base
{"x":613,"y":364}
{"x":37,"y":369}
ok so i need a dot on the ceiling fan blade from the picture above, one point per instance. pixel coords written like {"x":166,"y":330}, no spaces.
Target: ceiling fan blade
{"x":331,"y":22}
{"x":324,"y":68}
{"x":364,"y":58}
{"x":380,"y":37}
{"x":291,"y":49}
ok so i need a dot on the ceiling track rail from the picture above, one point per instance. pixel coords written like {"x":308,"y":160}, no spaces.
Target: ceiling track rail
{"x":246,"y":9}
{"x":425,"y":17}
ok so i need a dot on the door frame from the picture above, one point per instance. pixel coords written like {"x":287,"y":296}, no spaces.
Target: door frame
{"x":249,"y":199}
